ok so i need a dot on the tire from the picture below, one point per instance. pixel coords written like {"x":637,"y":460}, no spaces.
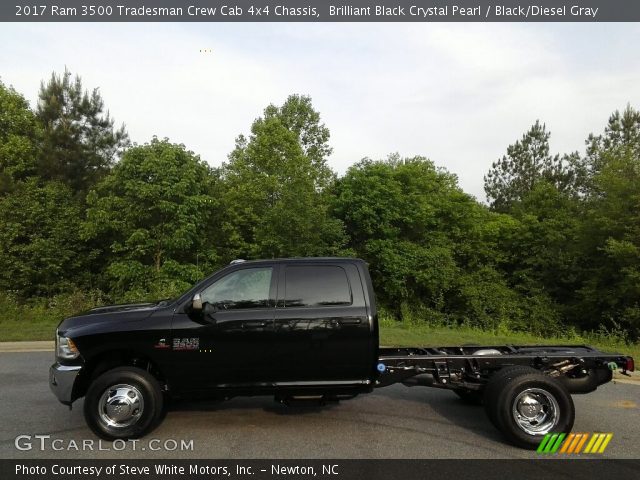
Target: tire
{"x":587,"y":383}
{"x":493,"y":388}
{"x":123,"y":403}
{"x":470,"y":397}
{"x":526,"y":405}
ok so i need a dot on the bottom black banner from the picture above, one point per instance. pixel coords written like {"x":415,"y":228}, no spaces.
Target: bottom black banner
{"x":538,"y":469}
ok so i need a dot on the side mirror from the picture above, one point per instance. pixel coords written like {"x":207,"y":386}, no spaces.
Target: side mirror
{"x":196,"y":303}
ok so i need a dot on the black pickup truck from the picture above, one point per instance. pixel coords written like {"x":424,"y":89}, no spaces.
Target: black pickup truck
{"x":299,"y":329}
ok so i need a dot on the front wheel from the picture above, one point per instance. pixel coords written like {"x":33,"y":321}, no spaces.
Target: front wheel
{"x":125,"y":402}
{"x":528,"y":405}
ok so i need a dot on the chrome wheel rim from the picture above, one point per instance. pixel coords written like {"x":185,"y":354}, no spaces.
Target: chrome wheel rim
{"x":120,"y":406}
{"x":535,"y":411}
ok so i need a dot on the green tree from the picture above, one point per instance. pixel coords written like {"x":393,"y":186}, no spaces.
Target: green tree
{"x":154,"y":211}
{"x":405,"y":217}
{"x":610,"y":293}
{"x":526,"y":163}
{"x":543,"y":256}
{"x":435,"y":254}
{"x":42,"y":254}
{"x":276,"y":187}
{"x":18,"y":138}
{"x":397,"y":214}
{"x":621,"y":132}
{"x":299,"y":117}
{"x":80,"y":143}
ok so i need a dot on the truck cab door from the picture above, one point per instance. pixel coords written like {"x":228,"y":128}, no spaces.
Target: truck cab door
{"x":228,"y":343}
{"x":321,"y":325}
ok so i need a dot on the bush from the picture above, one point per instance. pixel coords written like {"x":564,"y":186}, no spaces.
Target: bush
{"x":36,"y":319}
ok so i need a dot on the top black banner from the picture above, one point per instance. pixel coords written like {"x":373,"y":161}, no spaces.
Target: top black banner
{"x":319,"y":11}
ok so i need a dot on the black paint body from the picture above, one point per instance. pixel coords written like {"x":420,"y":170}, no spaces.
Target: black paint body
{"x":289,"y":349}
{"x":315,"y":335}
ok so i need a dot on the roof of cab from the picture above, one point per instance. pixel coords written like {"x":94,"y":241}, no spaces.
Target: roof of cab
{"x":299,"y":260}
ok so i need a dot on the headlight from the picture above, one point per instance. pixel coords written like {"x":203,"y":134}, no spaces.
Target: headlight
{"x":65,"y":348}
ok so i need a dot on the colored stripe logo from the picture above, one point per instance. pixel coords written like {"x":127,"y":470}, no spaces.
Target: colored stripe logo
{"x":574,"y":443}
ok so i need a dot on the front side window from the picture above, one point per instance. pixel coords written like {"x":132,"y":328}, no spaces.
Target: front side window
{"x":316,"y":286}
{"x":246,"y":288}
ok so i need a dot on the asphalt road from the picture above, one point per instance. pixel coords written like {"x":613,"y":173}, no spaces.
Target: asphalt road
{"x":393,"y":422}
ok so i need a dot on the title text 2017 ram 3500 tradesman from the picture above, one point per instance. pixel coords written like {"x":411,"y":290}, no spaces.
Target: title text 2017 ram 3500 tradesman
{"x":292,"y":328}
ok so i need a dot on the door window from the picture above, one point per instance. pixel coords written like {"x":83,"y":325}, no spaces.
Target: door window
{"x":246,"y":288}
{"x":316,"y":286}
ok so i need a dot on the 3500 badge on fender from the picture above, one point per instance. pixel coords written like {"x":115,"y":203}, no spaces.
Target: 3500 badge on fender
{"x":186,"y":343}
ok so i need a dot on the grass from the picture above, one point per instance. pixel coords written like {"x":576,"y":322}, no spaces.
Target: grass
{"x":16,"y":330}
{"x":399,"y":335}
{"x":44,"y":328}
{"x":38,"y":319}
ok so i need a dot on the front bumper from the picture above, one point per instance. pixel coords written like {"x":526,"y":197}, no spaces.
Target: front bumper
{"x":62,"y":378}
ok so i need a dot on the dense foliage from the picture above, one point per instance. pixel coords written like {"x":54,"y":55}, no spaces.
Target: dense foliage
{"x":148,"y":219}
{"x":81,"y":210}
{"x":19,"y":135}
{"x":274,"y":188}
{"x":79,"y":143}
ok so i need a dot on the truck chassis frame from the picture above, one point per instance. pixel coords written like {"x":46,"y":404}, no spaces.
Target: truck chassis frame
{"x":580,"y":367}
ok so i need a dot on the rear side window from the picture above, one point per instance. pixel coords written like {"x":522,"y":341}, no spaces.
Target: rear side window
{"x":316,"y":286}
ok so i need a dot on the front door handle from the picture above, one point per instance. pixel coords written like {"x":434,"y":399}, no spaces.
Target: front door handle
{"x":254,"y":324}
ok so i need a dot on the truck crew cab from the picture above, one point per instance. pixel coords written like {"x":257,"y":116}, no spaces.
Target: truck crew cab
{"x":304,"y":327}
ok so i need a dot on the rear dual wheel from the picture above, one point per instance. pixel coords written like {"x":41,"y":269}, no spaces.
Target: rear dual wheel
{"x":525,"y":405}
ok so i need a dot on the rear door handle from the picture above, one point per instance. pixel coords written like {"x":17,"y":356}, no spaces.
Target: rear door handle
{"x":349,"y":321}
